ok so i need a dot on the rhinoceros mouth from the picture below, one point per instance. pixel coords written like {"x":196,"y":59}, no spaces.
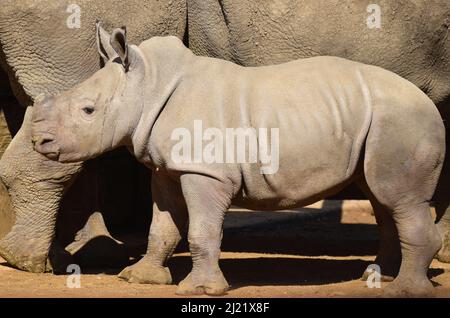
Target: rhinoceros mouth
{"x":52,"y":155}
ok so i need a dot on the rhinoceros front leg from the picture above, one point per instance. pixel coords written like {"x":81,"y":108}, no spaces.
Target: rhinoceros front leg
{"x":35,"y":186}
{"x":207,"y":200}
{"x":169,"y":224}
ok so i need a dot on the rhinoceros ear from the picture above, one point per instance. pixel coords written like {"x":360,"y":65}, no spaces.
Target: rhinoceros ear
{"x":120,"y":45}
{"x":104,"y":47}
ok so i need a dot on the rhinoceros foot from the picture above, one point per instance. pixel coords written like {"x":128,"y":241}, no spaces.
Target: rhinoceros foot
{"x":32,"y":255}
{"x":22,"y":255}
{"x":409,"y":288}
{"x":146,"y":272}
{"x":199,"y":284}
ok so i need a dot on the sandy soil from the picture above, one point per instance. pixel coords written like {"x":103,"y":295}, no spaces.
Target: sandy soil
{"x":268,"y":254}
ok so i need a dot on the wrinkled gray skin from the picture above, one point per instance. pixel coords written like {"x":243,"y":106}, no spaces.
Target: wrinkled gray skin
{"x":339,"y":121}
{"x":27,"y":244}
{"x":414,"y":42}
{"x":40,"y":54}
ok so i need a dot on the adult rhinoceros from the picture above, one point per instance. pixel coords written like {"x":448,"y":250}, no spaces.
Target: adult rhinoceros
{"x":45,"y":49}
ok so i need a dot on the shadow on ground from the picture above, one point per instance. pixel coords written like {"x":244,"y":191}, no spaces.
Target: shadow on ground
{"x":278,"y":270}
{"x":286,"y":233}
{"x":308,"y":233}
{"x":282,"y":271}
{"x":293,"y":233}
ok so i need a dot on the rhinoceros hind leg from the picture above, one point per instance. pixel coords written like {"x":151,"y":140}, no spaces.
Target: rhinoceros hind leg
{"x":420,"y":241}
{"x":191,"y":285}
{"x":402,"y":176}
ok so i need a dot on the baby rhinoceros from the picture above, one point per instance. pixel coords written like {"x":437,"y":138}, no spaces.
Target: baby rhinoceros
{"x":308,"y":128}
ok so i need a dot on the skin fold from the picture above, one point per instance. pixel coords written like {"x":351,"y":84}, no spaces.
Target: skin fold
{"x":339,"y":122}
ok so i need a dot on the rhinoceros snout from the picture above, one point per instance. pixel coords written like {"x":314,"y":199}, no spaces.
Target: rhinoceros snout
{"x":46,"y":145}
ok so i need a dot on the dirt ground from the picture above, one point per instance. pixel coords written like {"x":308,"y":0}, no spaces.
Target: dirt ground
{"x":319,"y":251}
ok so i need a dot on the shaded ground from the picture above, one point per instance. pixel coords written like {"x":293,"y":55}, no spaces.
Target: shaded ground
{"x":266,"y":254}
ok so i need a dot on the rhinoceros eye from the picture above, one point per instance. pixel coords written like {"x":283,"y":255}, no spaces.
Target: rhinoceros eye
{"x":88,"y":110}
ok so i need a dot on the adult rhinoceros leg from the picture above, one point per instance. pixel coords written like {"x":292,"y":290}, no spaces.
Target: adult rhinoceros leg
{"x":443,"y":224}
{"x":6,"y":213}
{"x":6,"y":99}
{"x":442,"y":204}
{"x":35,"y":187}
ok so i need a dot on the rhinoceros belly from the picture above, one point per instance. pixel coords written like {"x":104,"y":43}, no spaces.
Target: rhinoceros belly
{"x":322,"y":127}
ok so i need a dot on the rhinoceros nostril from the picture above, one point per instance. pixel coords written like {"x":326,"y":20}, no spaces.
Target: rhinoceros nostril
{"x":45,"y":141}
{"x":36,"y":141}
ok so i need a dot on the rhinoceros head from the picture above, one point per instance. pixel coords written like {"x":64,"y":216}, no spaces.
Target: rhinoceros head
{"x":91,"y":118}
